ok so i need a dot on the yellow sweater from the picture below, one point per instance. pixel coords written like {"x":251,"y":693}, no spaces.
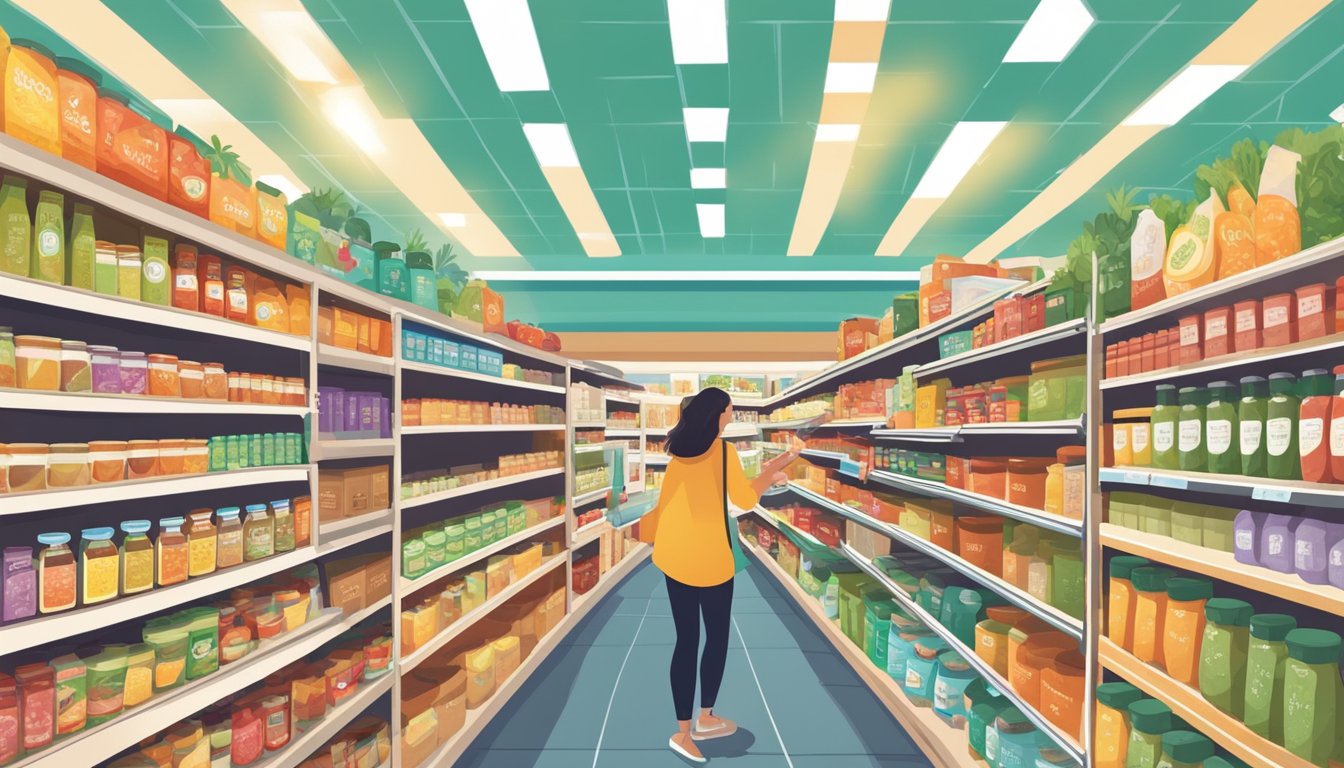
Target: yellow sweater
{"x":690,"y":541}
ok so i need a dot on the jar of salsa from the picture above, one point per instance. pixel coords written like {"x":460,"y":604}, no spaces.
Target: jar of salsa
{"x":27,"y":466}
{"x":216,"y":385}
{"x":142,"y":459}
{"x":258,"y":533}
{"x":197,"y":459}
{"x":201,"y":543}
{"x":76,"y":367}
{"x":164,"y":380}
{"x":137,"y":557}
{"x":172,"y":457}
{"x":229,"y":538}
{"x":171,"y":552}
{"x":55,"y":573}
{"x":192,"y":376}
{"x":37,"y":362}
{"x":107,"y":461}
{"x":284,"y":525}
{"x":275,"y":711}
{"x":67,"y":465}
{"x":98,"y":566}
{"x":37,"y":701}
{"x":105,"y":364}
{"x":134,"y":373}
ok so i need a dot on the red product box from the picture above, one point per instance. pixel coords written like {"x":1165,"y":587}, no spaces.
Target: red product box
{"x":1339,"y":304}
{"x":1148,"y":346}
{"x":1136,"y":355}
{"x":1162,"y":350}
{"x":1122,"y":363}
{"x":827,"y":531}
{"x":805,"y":519}
{"x":957,"y":469}
{"x":978,"y":336}
{"x":1191,"y":350}
{"x":1278,"y":325}
{"x":1112,"y":360}
{"x":1315,"y":312}
{"x":1011,"y":323}
{"x":1034,"y":313}
{"x":1217,"y":332}
{"x":1246,"y":325}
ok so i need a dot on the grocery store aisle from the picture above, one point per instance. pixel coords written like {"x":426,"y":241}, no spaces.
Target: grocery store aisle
{"x":602,"y":699}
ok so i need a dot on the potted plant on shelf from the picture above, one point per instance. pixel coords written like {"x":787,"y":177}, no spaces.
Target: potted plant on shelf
{"x":450,"y":278}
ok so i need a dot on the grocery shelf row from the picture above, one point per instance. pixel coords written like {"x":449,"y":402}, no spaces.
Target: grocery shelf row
{"x":89,"y":402}
{"x":170,"y":485}
{"x":1037,"y":517}
{"x":409,"y":585}
{"x":487,"y":485}
{"x":1263,"y":489}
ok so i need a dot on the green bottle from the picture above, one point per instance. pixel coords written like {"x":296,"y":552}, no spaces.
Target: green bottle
{"x":1251,"y":414}
{"x":1266,"y":657}
{"x":1311,"y":694}
{"x":155,"y":282}
{"x":393,"y":278}
{"x":1149,"y":719}
{"x":48,"y":241}
{"x":1163,"y":421}
{"x":1193,"y":455}
{"x":82,"y":248}
{"x":18,"y":227}
{"x":1222,"y":657}
{"x":1281,"y":428}
{"x":1220,"y":428}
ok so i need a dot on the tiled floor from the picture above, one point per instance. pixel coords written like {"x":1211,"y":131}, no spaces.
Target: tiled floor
{"x":602,"y":699}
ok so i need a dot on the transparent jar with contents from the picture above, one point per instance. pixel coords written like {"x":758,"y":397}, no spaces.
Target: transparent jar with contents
{"x":284,"y":525}
{"x":55,"y":573}
{"x":137,"y":557}
{"x":170,"y":552}
{"x":99,"y":566}
{"x":191,"y":375}
{"x":216,"y":382}
{"x":258,"y":533}
{"x":229,"y":538}
{"x":197,"y":458}
{"x":105,"y":365}
{"x":201,"y":543}
{"x":76,"y":367}
{"x":107,"y":461}
{"x":164,"y":380}
{"x":142,"y":459}
{"x":8,"y":370}
{"x":27,"y":466}
{"x":134,"y":373}
{"x":68,"y":465}
{"x":38,"y":362}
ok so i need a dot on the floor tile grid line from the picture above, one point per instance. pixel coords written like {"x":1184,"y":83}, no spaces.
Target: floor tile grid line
{"x":747,"y":652}
{"x":597,"y":751}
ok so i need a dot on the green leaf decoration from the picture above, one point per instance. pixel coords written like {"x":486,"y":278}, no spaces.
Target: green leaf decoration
{"x":416,"y":243}
{"x":446,"y":268}
{"x":225,"y":162}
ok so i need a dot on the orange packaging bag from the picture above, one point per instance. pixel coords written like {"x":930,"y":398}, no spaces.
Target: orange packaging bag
{"x":77,"y":85}
{"x":270,"y":308}
{"x":132,"y":148}
{"x":32,"y":112}
{"x":1234,"y":232}
{"x":300,"y":309}
{"x":233,"y":199}
{"x":1278,"y":231}
{"x":272,"y":216}
{"x":492,"y":312}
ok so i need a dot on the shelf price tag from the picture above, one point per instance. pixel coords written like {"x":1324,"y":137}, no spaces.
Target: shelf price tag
{"x":1282,"y":495}
{"x":1166,"y":481}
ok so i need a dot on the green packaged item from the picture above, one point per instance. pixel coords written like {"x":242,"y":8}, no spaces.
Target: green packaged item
{"x":48,"y":241}
{"x":413,"y":560}
{"x":218,"y":453}
{"x":1060,"y":306}
{"x":293,"y":448}
{"x":1220,"y":429}
{"x":435,"y":548}
{"x":81,"y":248}
{"x":254,"y":452}
{"x":954,"y":343}
{"x":268,"y":450}
{"x":454,"y":541}
{"x":1067,"y":588}
{"x":476,"y":587}
{"x":393,"y":278}
{"x":233,"y":452}
{"x":155,"y":274}
{"x":1311,"y":694}
{"x":202,"y":641}
{"x":1220,"y":528}
{"x":106,"y":683}
{"x":168,"y":636}
{"x":1252,"y":412}
{"x":16,"y":254}
{"x":488,"y":529}
{"x":471,"y":540}
{"x":517,"y":518}
{"x":904,"y":313}
{"x":1282,"y":414}
{"x":961,"y":610}
{"x":71,"y":693}
{"x":1266,"y":663}
{"x":1187,"y":522}
{"x":1155,"y":515}
{"x":1185,"y":749}
{"x":1148,"y":720}
{"x":1222,"y":661}
{"x":304,"y":235}
{"x":1192,"y":455}
{"x":980,"y":721}
{"x":1163,"y":421}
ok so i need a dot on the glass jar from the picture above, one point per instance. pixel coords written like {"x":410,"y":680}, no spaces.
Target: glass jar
{"x":107,"y":461}
{"x":1185,"y":749}
{"x":134,"y":369}
{"x":105,"y":363}
{"x":216,"y":381}
{"x":1112,"y":723}
{"x":1222,"y":663}
{"x":55,"y":573}
{"x":99,"y":563}
{"x":67,"y":465}
{"x":8,"y":366}
{"x":1183,"y":626}
{"x":191,"y":376}
{"x":172,"y":457}
{"x":1266,"y":660}
{"x":76,"y":367}
{"x":137,"y":557}
{"x":27,"y":466}
{"x":1148,"y":720}
{"x":139,"y":673}
{"x":1310,"y":694}
{"x":142,"y":459}
{"x":1150,"y":613}
{"x":229,"y":538}
{"x":236,"y":387}
{"x":258,"y":533}
{"x":164,"y":380}
{"x":37,"y":361}
{"x":201,"y":543}
{"x":275,"y":711}
{"x":196,"y":457}
{"x":170,"y":552}
{"x":284,"y":525}
{"x":167,"y":635}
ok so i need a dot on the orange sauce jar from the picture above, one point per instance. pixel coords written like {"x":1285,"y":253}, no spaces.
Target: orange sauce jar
{"x":142,"y":459}
{"x":191,"y":376}
{"x":32,"y":111}
{"x":980,"y":541}
{"x":107,"y":461}
{"x":77,"y":86}
{"x":37,"y":362}
{"x":164,"y":379}
{"x":1026,"y":482}
{"x":216,"y":382}
{"x":1062,"y":692}
{"x":27,"y":466}
{"x":67,"y":465}
{"x":1183,"y":627}
{"x":172,"y":457}
{"x":1150,"y":614}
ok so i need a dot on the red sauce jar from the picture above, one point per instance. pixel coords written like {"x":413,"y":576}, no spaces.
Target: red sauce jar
{"x":275,"y":713}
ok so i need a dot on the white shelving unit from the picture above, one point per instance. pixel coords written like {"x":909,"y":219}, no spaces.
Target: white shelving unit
{"x":61,"y":498}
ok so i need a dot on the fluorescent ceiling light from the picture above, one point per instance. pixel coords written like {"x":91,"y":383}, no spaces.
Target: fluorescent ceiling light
{"x":551,"y":144}
{"x":1054,"y":28}
{"x":705,"y":123}
{"x":1338,"y":114}
{"x":711,"y":219}
{"x":281,"y":182}
{"x":509,"y":40}
{"x":861,"y":10}
{"x":962,"y":150}
{"x":838,"y":132}
{"x":453,"y":220}
{"x":1187,"y":90}
{"x":850,"y":77}
{"x":283,"y":33}
{"x":350,"y":110}
{"x":711,"y":275}
{"x":699,"y":31}
{"x":709,"y":178}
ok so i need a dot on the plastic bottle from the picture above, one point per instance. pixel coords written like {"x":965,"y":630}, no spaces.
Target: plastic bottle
{"x":1220,"y":428}
{"x":1185,"y":749}
{"x":1282,"y":413}
{"x":1311,"y":694}
{"x":82,"y":248}
{"x":48,"y":260}
{"x":1222,"y":658}
{"x":155,"y":275}
{"x":1314,"y":412}
{"x":1148,"y":719}
{"x":1164,"y":419}
{"x":16,"y":247}
{"x":393,"y":279}
{"x":1150,"y":613}
{"x":1337,"y":425}
{"x":1183,"y":628}
{"x":1192,"y":454}
{"x":1266,"y":659}
{"x":1251,"y":414}
{"x":1122,"y":598}
{"x":1112,"y":724}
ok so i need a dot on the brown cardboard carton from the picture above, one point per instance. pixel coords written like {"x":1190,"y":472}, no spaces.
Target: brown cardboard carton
{"x":377,"y":578}
{"x":346,"y":585}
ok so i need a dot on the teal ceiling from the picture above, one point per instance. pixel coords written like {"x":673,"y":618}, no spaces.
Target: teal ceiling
{"x":614,"y":82}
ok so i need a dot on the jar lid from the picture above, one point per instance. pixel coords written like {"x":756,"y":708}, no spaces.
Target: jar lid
{"x":135,"y":526}
{"x":1186,"y":588}
{"x":228,"y":513}
{"x":53,"y":539}
{"x":160,"y":358}
{"x":1150,"y":716}
{"x":1315,"y":372}
{"x":1229,"y":611}
{"x":1150,"y":579}
{"x":69,"y":448}
{"x":96,"y":534}
{"x":930,"y":646}
{"x":1272,"y":626}
{"x":257,"y":508}
{"x":214,"y":365}
{"x":1118,"y":695}
{"x":280,"y":504}
{"x":1218,"y":761}
{"x":1187,"y":746}
{"x":1012,"y":718}
{"x":73,"y":344}
{"x":171,"y":523}
{"x":197,"y":515}
{"x":131,"y":354}
{"x":32,"y":45}
{"x":28,"y":448}
{"x":953,"y":661}
{"x":1193,"y":396}
{"x":81,"y":68}
{"x":37,"y":341}
{"x":1071,"y":454}
{"x":102,"y":349}
{"x":107,"y":445}
{"x":1314,"y":646}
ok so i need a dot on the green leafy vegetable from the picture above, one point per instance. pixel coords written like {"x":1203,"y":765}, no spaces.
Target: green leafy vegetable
{"x":1242,"y":167}
{"x":225,"y":162}
{"x":1171,"y":211}
{"x":1320,"y":194}
{"x":416,"y":242}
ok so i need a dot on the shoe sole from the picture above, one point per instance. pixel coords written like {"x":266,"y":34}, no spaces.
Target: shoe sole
{"x":717,"y":733}
{"x":677,"y":748}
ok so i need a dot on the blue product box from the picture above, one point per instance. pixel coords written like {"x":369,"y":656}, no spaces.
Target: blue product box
{"x":451,"y":358}
{"x":407,"y":345}
{"x":436,"y":351}
{"x":421,"y":348}
{"x":467,"y":357}
{"x":491,"y":362}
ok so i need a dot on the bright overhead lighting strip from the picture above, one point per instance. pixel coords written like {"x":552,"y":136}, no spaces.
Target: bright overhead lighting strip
{"x":1051,"y":32}
{"x":1248,"y":39}
{"x":699,"y":31}
{"x":710,"y":275}
{"x":709,"y":178}
{"x":706,"y":123}
{"x":509,"y":39}
{"x":559,"y":163}
{"x":1187,"y":90}
{"x":711,"y":217}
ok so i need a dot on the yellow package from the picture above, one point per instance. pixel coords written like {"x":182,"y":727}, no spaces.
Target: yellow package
{"x":300,"y":309}
{"x":1192,"y":254}
{"x":270,"y":309}
{"x":930,"y":401}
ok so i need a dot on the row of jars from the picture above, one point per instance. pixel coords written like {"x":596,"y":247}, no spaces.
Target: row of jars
{"x":39,"y":466}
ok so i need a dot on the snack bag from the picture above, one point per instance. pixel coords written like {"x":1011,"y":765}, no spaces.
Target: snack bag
{"x":1234,"y":233}
{"x":1192,"y":254}
{"x":1147,"y":248}
{"x":1278,"y":231}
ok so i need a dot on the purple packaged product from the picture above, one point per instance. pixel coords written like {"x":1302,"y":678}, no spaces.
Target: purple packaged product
{"x":1246,"y":539}
{"x":368,"y":405}
{"x":106,"y":366}
{"x":1277,"y":543}
{"x":1336,"y":571}
{"x":1311,"y":549}
{"x":326,"y":410}
{"x":384,"y":417}
{"x":20,"y":584}
{"x":349,"y":426}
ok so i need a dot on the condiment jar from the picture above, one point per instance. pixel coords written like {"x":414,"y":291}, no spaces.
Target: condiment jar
{"x":258,"y":533}
{"x":191,"y":376}
{"x":164,"y":380}
{"x":142,"y":459}
{"x":100,"y":574}
{"x":55,"y":573}
{"x":68,"y":465}
{"x":76,"y":370}
{"x":172,"y":456}
{"x":105,"y":363}
{"x":37,"y":362}
{"x":229,"y":538}
{"x":216,"y":381}
{"x":27,"y":466}
{"x":134,"y":373}
{"x":171,"y":552}
{"x":197,"y":456}
{"x":137,"y":557}
{"x":201,"y":543}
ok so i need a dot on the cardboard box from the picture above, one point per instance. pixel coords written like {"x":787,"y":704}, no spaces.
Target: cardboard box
{"x":1246,"y":325}
{"x":1315,"y":312}
{"x":905,"y":314}
{"x":1122,"y":358}
{"x":1162,"y":350}
{"x":377,"y":577}
{"x":1033,"y":313}
{"x":1217,"y":332}
{"x":345,"y":328}
{"x":346,"y":585}
{"x":1278,"y":320}
{"x":380,"y":486}
{"x":1148,"y":347}
{"x":342,"y":493}
{"x":1112,"y":360}
{"x":325,"y":325}
{"x":1190,"y":340}
{"x":853,"y":336}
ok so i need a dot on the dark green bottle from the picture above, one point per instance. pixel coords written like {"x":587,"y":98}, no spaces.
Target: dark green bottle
{"x":1251,"y":414}
{"x":1193,"y":455}
{"x":1220,"y":429}
{"x":1281,"y":427}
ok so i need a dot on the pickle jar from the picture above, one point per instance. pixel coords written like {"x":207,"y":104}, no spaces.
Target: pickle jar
{"x":229,"y":538}
{"x":258,"y":533}
{"x":284,"y":525}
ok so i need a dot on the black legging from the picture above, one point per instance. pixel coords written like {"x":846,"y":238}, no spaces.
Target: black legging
{"x":688,"y":604}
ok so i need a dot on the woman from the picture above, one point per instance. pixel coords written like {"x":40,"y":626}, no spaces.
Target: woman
{"x":689,"y":531}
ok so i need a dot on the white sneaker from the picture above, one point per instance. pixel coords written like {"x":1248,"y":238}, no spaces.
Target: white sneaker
{"x":672,"y":742}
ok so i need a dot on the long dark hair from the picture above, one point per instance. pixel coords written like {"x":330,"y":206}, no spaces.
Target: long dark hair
{"x":698,"y":428}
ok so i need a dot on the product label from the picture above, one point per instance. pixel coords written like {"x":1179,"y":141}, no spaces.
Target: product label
{"x":186,"y":282}
{"x":1245,"y":320}
{"x":1189,"y":335}
{"x":1278,"y":435}
{"x":1336,"y":558}
{"x":215,"y":291}
{"x":48,"y":242}
{"x":1190,"y":435}
{"x":154,"y":271}
{"x":1217,"y":326}
{"x":992,"y":746}
{"x":944,"y":697}
{"x":1309,"y":305}
{"x":1220,"y":436}
{"x":1275,"y":316}
{"x":1310,"y":433}
{"x":1274,"y":544}
{"x":1302,"y":555}
{"x":1337,"y":437}
{"x":913,"y":679}
{"x":238,"y":300}
{"x":1163,"y":436}
{"x":1250,"y":436}
{"x":194,"y":188}
{"x":1139,"y":437}
{"x":1245,"y":541}
{"x":1119,"y":439}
